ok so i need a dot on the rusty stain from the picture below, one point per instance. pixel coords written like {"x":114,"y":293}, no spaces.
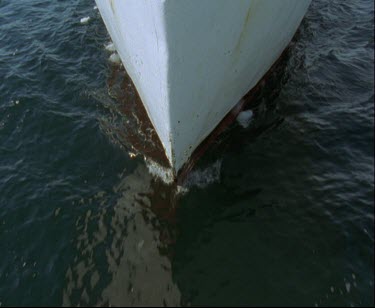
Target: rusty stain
{"x":243,"y":31}
{"x":136,"y":132}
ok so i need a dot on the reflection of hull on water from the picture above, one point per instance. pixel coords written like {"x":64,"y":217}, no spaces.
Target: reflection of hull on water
{"x":192,"y":61}
{"x":123,"y":253}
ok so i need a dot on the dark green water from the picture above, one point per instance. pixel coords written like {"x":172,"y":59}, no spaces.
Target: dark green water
{"x":283,"y":216}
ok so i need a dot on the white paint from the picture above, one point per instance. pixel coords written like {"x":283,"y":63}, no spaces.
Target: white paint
{"x":192,"y":61}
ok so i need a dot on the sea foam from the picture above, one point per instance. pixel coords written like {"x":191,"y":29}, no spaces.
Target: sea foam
{"x":85,"y":20}
{"x":114,"y":58}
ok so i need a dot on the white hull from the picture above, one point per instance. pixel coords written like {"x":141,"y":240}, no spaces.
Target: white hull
{"x":192,"y":61}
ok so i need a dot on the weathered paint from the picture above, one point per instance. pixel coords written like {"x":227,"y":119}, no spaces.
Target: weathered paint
{"x":192,"y":61}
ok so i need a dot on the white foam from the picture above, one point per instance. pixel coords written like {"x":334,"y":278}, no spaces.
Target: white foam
{"x":115,"y":58}
{"x":182,"y":190}
{"x":95,"y":7}
{"x":85,"y":20}
{"x":244,"y":118}
{"x":110,"y":47}
{"x":347,"y":286}
{"x":165,"y":174}
{"x":201,"y":178}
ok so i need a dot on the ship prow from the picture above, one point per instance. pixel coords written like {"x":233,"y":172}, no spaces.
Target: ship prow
{"x":192,"y":61}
